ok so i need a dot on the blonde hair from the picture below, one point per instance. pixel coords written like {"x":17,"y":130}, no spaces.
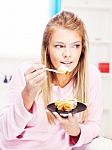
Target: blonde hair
{"x":70,"y":21}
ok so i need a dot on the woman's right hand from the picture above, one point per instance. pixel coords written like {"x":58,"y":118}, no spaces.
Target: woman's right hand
{"x":34,"y":77}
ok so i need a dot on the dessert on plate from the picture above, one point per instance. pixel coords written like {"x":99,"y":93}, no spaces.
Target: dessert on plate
{"x":66,"y":104}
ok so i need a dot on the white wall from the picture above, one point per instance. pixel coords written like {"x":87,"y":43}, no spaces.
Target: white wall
{"x":22,"y":23}
{"x":21,"y":27}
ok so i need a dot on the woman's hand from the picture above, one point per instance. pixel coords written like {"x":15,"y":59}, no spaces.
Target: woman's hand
{"x":70,"y":125}
{"x":34,"y":77}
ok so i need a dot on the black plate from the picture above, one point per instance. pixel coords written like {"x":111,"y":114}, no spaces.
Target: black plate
{"x":80,"y":107}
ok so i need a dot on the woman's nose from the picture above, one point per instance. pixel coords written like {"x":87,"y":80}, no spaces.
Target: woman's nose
{"x":67,"y":51}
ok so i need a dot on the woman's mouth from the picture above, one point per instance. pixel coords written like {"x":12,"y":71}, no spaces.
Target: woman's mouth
{"x":66,"y":63}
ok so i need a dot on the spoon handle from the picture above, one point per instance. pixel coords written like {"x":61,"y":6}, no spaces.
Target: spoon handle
{"x":53,"y":70}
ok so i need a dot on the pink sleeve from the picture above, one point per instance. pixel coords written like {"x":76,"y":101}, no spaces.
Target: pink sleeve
{"x":14,"y":116}
{"x":95,"y":108}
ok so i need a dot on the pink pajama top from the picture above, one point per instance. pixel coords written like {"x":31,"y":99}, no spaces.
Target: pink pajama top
{"x":22,"y":130}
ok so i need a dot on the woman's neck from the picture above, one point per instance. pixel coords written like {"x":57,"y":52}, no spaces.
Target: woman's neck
{"x":62,"y":79}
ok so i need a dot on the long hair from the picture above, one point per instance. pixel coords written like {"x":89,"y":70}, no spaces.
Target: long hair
{"x":70,"y":21}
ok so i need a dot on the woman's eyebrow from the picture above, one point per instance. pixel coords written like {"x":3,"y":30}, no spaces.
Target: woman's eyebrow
{"x":76,"y":42}
{"x":59,"y":42}
{"x":68,"y":43}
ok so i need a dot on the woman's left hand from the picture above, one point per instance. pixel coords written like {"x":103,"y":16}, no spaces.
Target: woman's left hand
{"x":70,"y":124}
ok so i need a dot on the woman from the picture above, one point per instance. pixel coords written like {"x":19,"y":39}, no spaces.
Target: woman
{"x":25,"y":123}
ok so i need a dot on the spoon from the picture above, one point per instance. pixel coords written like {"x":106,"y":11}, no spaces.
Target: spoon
{"x":53,"y":70}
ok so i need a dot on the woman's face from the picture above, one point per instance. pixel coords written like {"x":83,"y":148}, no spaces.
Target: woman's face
{"x":65,"y":48}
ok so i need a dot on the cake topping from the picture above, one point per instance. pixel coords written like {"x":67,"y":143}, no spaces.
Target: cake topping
{"x":66,"y":104}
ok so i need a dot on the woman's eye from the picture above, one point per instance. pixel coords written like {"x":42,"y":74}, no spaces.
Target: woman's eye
{"x":59,"y":46}
{"x":76,"y":46}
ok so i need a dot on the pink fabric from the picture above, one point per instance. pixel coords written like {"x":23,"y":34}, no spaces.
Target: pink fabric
{"x":22,"y":130}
